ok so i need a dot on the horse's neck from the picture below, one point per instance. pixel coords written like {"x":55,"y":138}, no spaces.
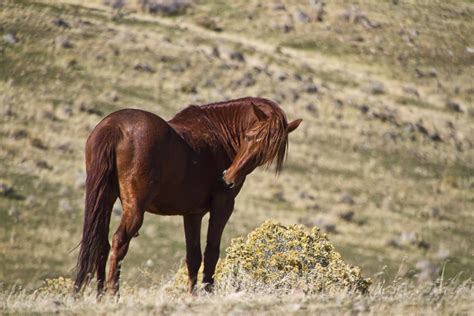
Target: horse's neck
{"x":209,"y":128}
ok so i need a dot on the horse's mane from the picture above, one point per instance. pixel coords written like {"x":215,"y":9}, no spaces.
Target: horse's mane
{"x":224,"y":123}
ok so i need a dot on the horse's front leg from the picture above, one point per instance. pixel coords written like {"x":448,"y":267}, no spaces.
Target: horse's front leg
{"x":221,"y":209}
{"x":192,"y":231}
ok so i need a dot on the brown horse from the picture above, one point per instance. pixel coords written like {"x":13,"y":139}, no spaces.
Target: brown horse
{"x":195,"y":163}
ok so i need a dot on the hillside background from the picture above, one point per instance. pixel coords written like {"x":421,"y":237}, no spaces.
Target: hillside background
{"x":383,"y":161}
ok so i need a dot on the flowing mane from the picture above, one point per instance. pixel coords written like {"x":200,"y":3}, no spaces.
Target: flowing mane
{"x":224,"y":124}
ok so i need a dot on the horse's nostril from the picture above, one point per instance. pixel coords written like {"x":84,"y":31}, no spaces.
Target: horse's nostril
{"x":224,"y":172}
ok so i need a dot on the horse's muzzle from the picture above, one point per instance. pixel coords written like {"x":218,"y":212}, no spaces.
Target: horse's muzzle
{"x":229,"y":185}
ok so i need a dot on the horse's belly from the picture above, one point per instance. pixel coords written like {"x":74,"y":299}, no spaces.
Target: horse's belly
{"x":187,"y":203}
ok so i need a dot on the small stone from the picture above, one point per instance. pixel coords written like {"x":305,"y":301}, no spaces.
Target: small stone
{"x":411,"y":90}
{"x":377,"y":87}
{"x":281,"y":76}
{"x":436,"y":137}
{"x":364,"y":108}
{"x":423,"y":244}
{"x":38,"y":143}
{"x":63,"y":42}
{"x":346,"y":199}
{"x":144,"y":68}
{"x":43,"y":164}
{"x":237,"y":56}
{"x":310,"y":107}
{"x":20,"y":134}
{"x":311,"y":88}
{"x":61,"y":23}
{"x":348,"y":215}
{"x":454,"y":106}
{"x":421,"y":128}
{"x":10,"y":38}
{"x":302,"y":17}
{"x":149,"y":263}
{"x":6,"y":189}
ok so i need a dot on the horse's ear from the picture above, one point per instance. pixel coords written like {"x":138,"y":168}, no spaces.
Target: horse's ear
{"x":293,"y":125}
{"x":259,"y":113}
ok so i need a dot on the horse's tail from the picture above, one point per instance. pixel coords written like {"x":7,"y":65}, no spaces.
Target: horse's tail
{"x":101,"y":192}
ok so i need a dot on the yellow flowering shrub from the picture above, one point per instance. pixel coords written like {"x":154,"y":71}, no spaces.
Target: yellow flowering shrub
{"x":276,"y":258}
{"x":58,"y":286}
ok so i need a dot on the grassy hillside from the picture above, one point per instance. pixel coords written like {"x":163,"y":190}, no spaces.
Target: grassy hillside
{"x":383,"y":162}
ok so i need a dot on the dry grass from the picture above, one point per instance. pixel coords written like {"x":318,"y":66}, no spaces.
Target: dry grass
{"x":373,"y":154}
{"x":392,"y":299}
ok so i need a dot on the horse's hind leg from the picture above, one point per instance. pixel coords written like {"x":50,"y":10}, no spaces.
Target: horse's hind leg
{"x":130,"y":223}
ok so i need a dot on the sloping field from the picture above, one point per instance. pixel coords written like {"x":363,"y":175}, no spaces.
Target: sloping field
{"x":383,"y":162}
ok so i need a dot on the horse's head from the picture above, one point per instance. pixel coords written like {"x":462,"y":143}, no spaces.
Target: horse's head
{"x":264,"y":141}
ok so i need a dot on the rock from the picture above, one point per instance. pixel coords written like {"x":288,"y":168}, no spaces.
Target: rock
{"x":310,"y":107}
{"x":339,"y":104}
{"x":423,"y":244}
{"x":376,"y":87}
{"x":61,"y":23}
{"x":302,"y":17}
{"x":215,"y":52}
{"x":306,"y":196}
{"x":348,"y":215}
{"x":346,"y":199}
{"x":115,"y":4}
{"x":311,"y":88}
{"x":43,"y":164}
{"x":411,"y":90}
{"x":38,"y":143}
{"x":247,"y":80}
{"x":63,"y":42}
{"x":167,"y":8}
{"x":421,"y":128}
{"x":394,"y":243}
{"x":20,"y":134}
{"x":281,"y":76}
{"x":208,"y":23}
{"x":144,"y":68}
{"x":10,"y":38}
{"x":65,"y":206}
{"x":364,"y":108}
{"x":436,"y":137}
{"x":87,"y":108}
{"x":432,"y":73}
{"x":188,"y":88}
{"x":6,"y":189}
{"x":237,"y":56}
{"x":454,"y":106}
{"x":355,"y":15}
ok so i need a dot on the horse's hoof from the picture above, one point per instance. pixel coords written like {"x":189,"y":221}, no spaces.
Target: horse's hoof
{"x":208,"y":287}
